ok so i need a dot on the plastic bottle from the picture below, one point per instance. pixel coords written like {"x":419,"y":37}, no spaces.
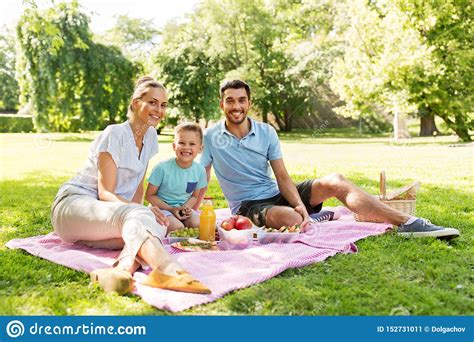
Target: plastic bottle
{"x":207,"y":221}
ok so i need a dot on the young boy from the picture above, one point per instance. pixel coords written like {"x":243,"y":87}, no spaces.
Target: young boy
{"x":174,"y":184}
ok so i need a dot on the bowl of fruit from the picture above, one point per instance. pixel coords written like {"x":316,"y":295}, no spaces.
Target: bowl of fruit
{"x":181,"y":235}
{"x":236,"y":232}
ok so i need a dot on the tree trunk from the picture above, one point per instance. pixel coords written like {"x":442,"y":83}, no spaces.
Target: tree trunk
{"x":265,"y":116}
{"x":400,"y":130}
{"x":460,"y":128}
{"x":280,"y":123}
{"x":428,"y":125}
{"x":462,"y":132}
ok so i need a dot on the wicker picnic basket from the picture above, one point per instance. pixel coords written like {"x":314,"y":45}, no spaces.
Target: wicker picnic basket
{"x":403,"y":199}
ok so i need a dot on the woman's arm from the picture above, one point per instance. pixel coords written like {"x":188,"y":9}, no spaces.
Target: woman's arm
{"x":107,"y":179}
{"x":138,"y":196}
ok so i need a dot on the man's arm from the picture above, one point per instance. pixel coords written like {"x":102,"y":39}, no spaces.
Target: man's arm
{"x":203,"y":190}
{"x":288,"y":189}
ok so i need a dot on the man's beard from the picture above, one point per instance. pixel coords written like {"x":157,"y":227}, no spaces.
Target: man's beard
{"x":237,"y":121}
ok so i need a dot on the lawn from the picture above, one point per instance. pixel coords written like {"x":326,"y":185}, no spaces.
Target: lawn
{"x":389,"y":275}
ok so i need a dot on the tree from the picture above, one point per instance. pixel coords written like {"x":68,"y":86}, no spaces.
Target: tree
{"x":230,"y":38}
{"x":447,"y":28}
{"x":379,"y":54}
{"x":9,"y":91}
{"x":308,"y":44}
{"x":72,"y":82}
{"x":191,"y":76}
{"x":135,"y":37}
{"x":396,"y":58}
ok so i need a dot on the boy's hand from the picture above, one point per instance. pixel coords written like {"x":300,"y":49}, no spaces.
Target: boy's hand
{"x":180,"y":213}
{"x":186,"y":211}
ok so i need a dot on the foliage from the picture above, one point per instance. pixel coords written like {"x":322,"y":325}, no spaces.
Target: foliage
{"x":447,"y":27}
{"x":392,"y":61}
{"x":14,"y":123}
{"x":377,"y":49}
{"x":9,"y":91}
{"x":308,"y":26}
{"x":135,"y":37}
{"x":225,"y":39}
{"x":191,"y":76}
{"x":370,"y":60}
{"x":66,"y":75}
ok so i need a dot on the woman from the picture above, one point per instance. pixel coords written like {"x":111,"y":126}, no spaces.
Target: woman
{"x":102,"y":206}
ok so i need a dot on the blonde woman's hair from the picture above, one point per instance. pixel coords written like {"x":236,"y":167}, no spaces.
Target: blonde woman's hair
{"x":141,"y":88}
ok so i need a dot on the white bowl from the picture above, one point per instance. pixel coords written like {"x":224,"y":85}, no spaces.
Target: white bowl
{"x":266,"y":237}
{"x":235,"y":239}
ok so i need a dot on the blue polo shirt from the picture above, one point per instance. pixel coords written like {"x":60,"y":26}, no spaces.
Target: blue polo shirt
{"x":242,"y":165}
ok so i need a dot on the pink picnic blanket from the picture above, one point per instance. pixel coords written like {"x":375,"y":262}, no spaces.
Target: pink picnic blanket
{"x":221,"y":271}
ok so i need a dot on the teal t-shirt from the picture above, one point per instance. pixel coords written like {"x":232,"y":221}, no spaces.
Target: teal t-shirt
{"x":175,"y":184}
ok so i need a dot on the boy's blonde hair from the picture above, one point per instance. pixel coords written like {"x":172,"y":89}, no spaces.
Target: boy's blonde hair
{"x":189,"y":127}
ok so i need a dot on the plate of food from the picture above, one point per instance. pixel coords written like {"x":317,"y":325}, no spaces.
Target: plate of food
{"x":181,"y":235}
{"x":285,"y":234}
{"x":195,"y":245}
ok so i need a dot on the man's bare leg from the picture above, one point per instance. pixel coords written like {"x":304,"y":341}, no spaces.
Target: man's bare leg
{"x":354,"y":198}
{"x":279,"y":216}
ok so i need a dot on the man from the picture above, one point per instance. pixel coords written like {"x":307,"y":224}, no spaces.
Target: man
{"x":242,"y":152}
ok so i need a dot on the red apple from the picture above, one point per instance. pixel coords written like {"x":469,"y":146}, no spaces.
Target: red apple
{"x":228,"y":224}
{"x":243,"y":223}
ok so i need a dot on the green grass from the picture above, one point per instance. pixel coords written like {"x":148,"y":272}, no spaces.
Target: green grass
{"x":389,"y":275}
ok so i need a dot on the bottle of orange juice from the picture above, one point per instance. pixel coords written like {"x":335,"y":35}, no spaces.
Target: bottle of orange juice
{"x":207,"y":221}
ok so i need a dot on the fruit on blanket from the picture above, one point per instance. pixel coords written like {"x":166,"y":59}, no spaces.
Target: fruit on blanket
{"x":243,"y":223}
{"x":185,"y":232}
{"x":285,"y":229}
{"x":229,"y":224}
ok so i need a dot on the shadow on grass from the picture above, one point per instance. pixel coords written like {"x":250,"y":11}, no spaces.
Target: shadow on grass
{"x":88,"y":137}
{"x":74,"y":138}
{"x":345,"y":133}
{"x":423,"y":276}
{"x":352,"y":136}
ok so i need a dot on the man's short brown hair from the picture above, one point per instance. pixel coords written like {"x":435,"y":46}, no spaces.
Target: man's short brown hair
{"x":235,"y":84}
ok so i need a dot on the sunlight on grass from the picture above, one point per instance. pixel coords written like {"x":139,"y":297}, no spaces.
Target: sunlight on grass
{"x":389,"y":275}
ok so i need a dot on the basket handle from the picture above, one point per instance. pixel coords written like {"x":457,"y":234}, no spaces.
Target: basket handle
{"x":383,"y":185}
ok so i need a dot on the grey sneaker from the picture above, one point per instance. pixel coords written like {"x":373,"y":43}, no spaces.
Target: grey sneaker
{"x":324,"y":215}
{"x":424,"y":228}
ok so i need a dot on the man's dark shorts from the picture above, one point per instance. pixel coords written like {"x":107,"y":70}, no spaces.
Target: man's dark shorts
{"x":257,"y":210}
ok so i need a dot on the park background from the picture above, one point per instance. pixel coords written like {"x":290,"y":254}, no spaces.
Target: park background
{"x":351,"y":86}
